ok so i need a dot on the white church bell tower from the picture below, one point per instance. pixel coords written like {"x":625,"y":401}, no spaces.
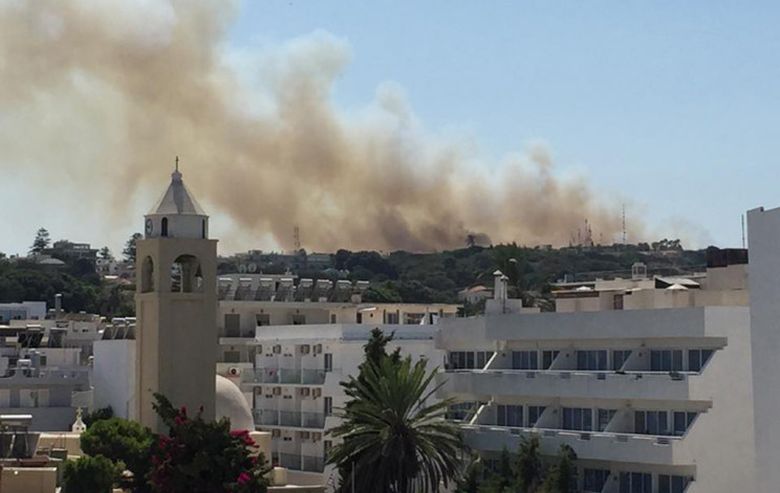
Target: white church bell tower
{"x":176,"y":305}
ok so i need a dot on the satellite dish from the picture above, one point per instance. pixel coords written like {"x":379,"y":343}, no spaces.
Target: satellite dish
{"x":252,"y":267}
{"x":242,"y":268}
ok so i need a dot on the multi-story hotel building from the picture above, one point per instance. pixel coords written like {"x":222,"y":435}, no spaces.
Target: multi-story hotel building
{"x":659,"y":385}
{"x":296,"y":386}
{"x":290,"y":342}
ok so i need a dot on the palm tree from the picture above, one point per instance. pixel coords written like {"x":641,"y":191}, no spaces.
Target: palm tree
{"x":392,"y":440}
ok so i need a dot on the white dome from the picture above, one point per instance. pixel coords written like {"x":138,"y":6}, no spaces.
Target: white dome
{"x":231,"y":404}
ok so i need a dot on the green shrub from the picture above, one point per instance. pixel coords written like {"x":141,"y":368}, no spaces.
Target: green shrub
{"x":120,"y":440}
{"x":98,"y":415}
{"x":90,"y":475}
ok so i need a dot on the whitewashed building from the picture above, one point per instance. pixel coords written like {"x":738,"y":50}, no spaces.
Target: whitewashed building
{"x":288,"y":342}
{"x":659,"y":385}
{"x":295,"y":385}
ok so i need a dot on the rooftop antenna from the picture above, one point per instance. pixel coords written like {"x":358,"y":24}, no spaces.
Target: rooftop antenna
{"x":297,"y":238}
{"x":624,"y":224}
{"x":744,"y":245}
{"x":177,"y":163}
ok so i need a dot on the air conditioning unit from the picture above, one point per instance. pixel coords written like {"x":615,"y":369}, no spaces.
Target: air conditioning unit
{"x":305,"y":435}
{"x":277,"y":391}
{"x":316,"y":393}
{"x":304,"y":391}
{"x":258,"y":391}
{"x":305,"y":348}
{"x":317,"y":348}
{"x":276,"y":433}
{"x":269,"y":396}
{"x":234,"y":371}
{"x":316,"y":436}
{"x":277,"y":349}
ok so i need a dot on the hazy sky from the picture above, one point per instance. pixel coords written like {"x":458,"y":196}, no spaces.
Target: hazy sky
{"x":675,"y":105}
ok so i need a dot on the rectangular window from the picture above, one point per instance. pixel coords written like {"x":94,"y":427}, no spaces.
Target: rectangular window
{"x":534,"y":413}
{"x":509,"y":416}
{"x":328,"y":361}
{"x":327,"y":445}
{"x":617,"y":302}
{"x":619,"y":359}
{"x":604,"y":417}
{"x":232,"y":325}
{"x":594,"y":480}
{"x":671,"y":484}
{"x":453,"y":360}
{"x":481,"y":359}
{"x":548,"y":357}
{"x":592,"y":360}
{"x":298,"y":319}
{"x":577,"y":418}
{"x":392,"y":318}
{"x":697,"y":358}
{"x":333,"y":318}
{"x":328,"y":406}
{"x":651,"y":422}
{"x":263,"y":319}
{"x":525,"y":360}
{"x":666,"y":360}
{"x":470,"y":360}
{"x":636,"y":482}
{"x":682,"y":421}
{"x":231,"y":357}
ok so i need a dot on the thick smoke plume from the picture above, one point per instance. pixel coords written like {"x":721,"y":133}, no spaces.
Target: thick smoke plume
{"x":104,"y":94}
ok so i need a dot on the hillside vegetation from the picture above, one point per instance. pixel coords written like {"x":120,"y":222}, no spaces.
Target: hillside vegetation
{"x":395,"y":277}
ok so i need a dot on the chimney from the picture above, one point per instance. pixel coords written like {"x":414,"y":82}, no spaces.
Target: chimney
{"x":499,"y":286}
{"x":57,"y":306}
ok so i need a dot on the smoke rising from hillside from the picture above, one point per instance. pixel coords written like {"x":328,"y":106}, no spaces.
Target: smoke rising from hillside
{"x":103,"y":94}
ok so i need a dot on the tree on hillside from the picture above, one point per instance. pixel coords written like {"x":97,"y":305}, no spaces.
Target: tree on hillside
{"x":396,"y":442}
{"x":105,"y":254}
{"x":41,"y":241}
{"x":129,"y":250}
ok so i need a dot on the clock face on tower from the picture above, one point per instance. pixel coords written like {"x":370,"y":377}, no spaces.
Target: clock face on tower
{"x":149,"y":226}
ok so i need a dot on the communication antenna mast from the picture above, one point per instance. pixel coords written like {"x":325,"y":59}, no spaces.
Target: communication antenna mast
{"x":624,"y":224}
{"x":744,"y":245}
{"x":297,"y":238}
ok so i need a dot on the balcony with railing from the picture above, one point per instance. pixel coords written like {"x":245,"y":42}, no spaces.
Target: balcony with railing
{"x":44,"y":377}
{"x":289,"y":376}
{"x":296,"y":462}
{"x":569,"y":384}
{"x":291,"y":419}
{"x":588,"y":445}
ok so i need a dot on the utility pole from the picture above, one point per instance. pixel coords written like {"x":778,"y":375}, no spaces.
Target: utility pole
{"x":624,"y":224}
{"x":744,"y":244}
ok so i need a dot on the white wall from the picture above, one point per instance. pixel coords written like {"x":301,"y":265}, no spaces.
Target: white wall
{"x":114,"y":375}
{"x":764,"y":282}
